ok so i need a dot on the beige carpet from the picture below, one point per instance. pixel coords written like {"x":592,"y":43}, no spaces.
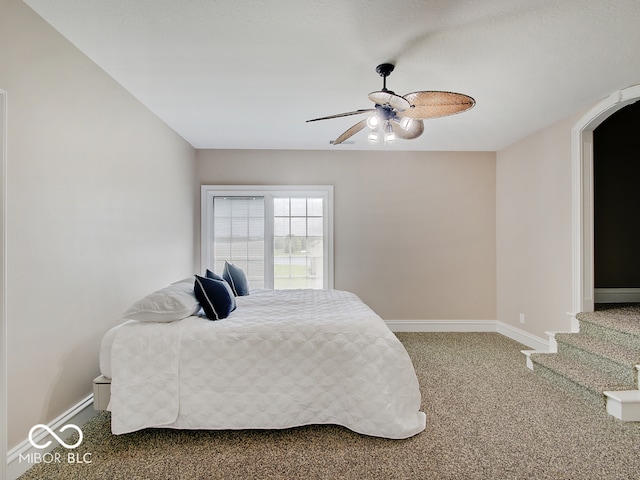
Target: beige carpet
{"x":488,"y":417}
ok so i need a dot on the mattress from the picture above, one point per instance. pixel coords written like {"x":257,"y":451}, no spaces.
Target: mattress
{"x":281,"y":359}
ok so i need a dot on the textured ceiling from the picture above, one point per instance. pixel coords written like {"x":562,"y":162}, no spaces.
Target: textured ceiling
{"x":248,"y":73}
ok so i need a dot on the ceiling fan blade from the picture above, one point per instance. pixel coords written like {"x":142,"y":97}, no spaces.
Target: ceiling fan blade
{"x":350,"y":132}
{"x":396,"y":102}
{"x":413,"y":130}
{"x":338,"y":115}
{"x":434,"y":104}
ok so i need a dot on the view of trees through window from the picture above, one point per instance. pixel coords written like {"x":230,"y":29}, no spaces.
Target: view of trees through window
{"x":297,"y":242}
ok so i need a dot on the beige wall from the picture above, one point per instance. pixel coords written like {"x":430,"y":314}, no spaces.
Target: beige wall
{"x":102,"y":199}
{"x":100,"y":212}
{"x":533,"y":240}
{"x":414,"y":231}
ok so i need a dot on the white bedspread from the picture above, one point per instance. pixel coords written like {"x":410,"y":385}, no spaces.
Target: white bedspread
{"x":281,"y":359}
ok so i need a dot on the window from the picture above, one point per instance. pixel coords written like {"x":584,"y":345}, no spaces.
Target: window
{"x":281,"y":236}
{"x":238,"y":236}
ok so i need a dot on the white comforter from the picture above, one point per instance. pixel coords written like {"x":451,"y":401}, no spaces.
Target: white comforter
{"x":281,"y":359}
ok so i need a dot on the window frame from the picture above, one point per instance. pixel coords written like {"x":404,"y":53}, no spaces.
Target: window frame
{"x":208,"y":192}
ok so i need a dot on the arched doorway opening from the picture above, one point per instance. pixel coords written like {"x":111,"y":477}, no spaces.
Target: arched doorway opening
{"x":582,"y":197}
{"x":616,"y":206}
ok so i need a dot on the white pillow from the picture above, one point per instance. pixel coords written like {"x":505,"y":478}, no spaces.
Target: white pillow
{"x":174,"y":302}
{"x":190,"y":280}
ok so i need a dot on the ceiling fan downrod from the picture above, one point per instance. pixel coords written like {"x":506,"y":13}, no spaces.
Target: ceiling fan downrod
{"x":384,"y":70}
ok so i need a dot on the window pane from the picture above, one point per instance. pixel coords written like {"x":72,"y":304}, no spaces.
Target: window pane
{"x":298,"y":207}
{"x":223,"y":208}
{"x":240,"y":228}
{"x":256,"y":207}
{"x":255,"y":273}
{"x":239,"y":207}
{"x":298,"y":246}
{"x":298,"y":227}
{"x":314,"y":207}
{"x":256,"y":228}
{"x":314,"y":227}
{"x":238,"y":233}
{"x":255,"y":250}
{"x":281,"y":207}
{"x":238,"y":252}
{"x":223,"y":228}
{"x":281,"y":226}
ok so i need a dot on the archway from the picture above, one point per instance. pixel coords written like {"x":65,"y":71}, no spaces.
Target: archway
{"x":582,"y":197}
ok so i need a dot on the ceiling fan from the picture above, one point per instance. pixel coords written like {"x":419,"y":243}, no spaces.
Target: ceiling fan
{"x":396,"y":116}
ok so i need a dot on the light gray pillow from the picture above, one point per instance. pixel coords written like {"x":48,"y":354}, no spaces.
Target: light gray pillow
{"x":175,"y":302}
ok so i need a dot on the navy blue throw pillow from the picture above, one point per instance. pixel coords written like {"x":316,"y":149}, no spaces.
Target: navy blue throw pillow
{"x":215,"y":276}
{"x":215,"y":296}
{"x":236,"y":278}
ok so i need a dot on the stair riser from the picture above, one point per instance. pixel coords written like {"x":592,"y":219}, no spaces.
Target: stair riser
{"x":592,"y":397}
{"x":614,"y":336}
{"x":601,"y":358}
{"x":626,"y":374}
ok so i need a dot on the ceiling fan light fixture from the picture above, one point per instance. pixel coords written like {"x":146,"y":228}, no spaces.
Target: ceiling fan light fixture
{"x":389,"y":134}
{"x":373,"y":121}
{"x":401,"y":117}
{"x":405,"y":123}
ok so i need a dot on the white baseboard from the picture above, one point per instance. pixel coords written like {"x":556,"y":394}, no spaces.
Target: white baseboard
{"x":514,"y":333}
{"x":441,"y":325}
{"x":21,"y":457}
{"x":616,"y":295}
{"x":521,"y":336}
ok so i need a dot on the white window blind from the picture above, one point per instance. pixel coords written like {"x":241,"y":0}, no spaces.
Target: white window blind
{"x":238,"y":228}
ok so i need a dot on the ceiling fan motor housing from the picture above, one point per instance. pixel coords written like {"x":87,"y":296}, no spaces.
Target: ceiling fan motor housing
{"x":385,"y":112}
{"x":385,"y":69}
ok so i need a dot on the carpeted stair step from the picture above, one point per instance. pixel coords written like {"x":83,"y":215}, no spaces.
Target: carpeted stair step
{"x":612,"y":359}
{"x":619,"y":325}
{"x":586,"y":382}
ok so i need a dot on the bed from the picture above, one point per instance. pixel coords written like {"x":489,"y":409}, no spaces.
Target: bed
{"x":280,"y":359}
